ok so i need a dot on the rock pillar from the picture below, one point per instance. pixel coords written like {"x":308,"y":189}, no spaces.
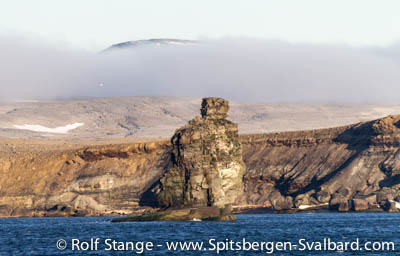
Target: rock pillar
{"x":206,"y":161}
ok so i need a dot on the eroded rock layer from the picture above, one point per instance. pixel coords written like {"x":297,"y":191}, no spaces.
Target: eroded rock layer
{"x":356,"y":167}
{"x":340,"y":168}
{"x":44,"y":178}
{"x":207,"y":166}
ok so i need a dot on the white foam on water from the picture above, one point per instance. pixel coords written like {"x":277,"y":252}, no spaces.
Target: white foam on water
{"x":40,"y":128}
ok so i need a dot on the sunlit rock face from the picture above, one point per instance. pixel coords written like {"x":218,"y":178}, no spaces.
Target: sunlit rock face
{"x":206,"y":161}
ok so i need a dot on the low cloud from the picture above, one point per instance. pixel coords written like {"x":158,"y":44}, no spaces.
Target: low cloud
{"x":235,"y":68}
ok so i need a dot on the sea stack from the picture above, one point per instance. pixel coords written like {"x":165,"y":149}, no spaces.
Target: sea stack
{"x":206,"y":167}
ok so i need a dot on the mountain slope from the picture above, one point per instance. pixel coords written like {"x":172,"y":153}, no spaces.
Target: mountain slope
{"x":153,"y":117}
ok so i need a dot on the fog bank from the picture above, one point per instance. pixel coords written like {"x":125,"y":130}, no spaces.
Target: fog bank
{"x":241,"y":69}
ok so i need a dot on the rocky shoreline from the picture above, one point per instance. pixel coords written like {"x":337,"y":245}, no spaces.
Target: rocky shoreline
{"x":134,"y":214}
{"x":202,"y":213}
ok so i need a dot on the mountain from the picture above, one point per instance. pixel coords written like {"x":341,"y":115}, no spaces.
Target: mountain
{"x":150,"y":42}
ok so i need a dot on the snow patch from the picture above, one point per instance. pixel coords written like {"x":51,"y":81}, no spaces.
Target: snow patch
{"x":306,"y":206}
{"x":396,"y":204}
{"x":40,"y":128}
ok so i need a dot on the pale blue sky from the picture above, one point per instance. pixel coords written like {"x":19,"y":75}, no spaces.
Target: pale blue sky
{"x":95,"y":24}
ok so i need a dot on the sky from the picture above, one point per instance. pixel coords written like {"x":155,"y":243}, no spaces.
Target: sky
{"x":96,"y":24}
{"x":270,"y":51}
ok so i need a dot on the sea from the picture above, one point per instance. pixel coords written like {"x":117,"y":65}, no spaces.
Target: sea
{"x":253,"y":234}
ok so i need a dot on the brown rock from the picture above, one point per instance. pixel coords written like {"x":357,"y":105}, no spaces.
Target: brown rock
{"x":387,"y":125}
{"x":343,"y":207}
{"x":184,"y":214}
{"x":360,"y":205}
{"x":215,"y":108}
{"x":301,"y":199}
{"x":207,"y":167}
{"x":323,"y":196}
{"x":280,"y":202}
{"x":339,"y":203}
{"x":344,"y":192}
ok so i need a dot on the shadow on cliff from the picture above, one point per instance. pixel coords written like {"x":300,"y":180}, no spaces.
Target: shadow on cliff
{"x":357,"y":139}
{"x":390,"y":181}
{"x":315,"y":184}
{"x":149,"y":197}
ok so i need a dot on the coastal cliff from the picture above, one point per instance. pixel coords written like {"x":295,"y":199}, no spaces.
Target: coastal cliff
{"x":49,"y":178}
{"x":355,"y":167}
{"x":346,"y":168}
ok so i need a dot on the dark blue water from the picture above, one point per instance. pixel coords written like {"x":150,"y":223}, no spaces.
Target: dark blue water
{"x":39,"y":236}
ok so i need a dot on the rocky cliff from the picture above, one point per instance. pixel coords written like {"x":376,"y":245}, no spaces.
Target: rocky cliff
{"x":332,"y":167}
{"x":207,"y":165}
{"x":355,"y":167}
{"x":39,"y":177}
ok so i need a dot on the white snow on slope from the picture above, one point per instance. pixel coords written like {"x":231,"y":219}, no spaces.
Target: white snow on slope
{"x":40,"y":128}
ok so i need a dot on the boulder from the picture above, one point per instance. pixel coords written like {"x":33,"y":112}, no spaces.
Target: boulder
{"x":360,"y":205}
{"x":371,"y":199}
{"x":323,"y":196}
{"x":383,"y":196}
{"x":301,"y":199}
{"x":339,"y":203}
{"x":280,"y":202}
{"x":343,"y":207}
{"x":344,"y":192}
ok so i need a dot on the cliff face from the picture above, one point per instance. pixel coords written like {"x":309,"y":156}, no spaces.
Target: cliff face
{"x":334,"y":167}
{"x":207,"y":166}
{"x":355,"y":167}
{"x":53,"y":179}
